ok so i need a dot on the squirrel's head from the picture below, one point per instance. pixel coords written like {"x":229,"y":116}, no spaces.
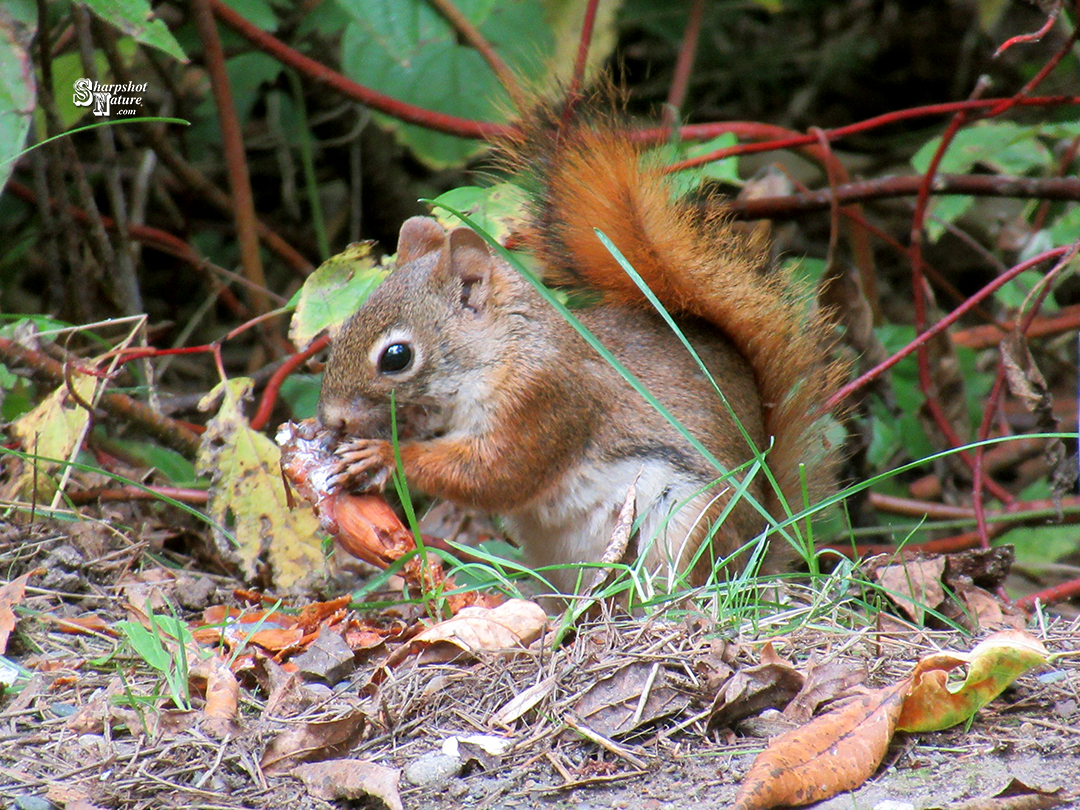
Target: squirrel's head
{"x":427,"y":334}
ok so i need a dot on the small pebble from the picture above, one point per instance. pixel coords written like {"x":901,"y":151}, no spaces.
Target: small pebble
{"x":432,"y":769}
{"x":92,"y":742}
{"x":27,"y":802}
{"x":63,"y":709}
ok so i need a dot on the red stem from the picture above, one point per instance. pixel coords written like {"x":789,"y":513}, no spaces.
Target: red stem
{"x":1035,"y":37}
{"x":235,"y":159}
{"x":703,"y":132}
{"x":409,"y":113}
{"x":584,"y":41}
{"x":685,"y":63}
{"x":273,"y":385}
{"x":1050,"y":596}
{"x":1066,"y":253}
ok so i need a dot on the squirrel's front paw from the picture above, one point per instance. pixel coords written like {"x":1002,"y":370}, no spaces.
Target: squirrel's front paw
{"x":362,"y":465}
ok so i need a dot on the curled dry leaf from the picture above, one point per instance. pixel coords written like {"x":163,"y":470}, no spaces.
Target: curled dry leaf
{"x":750,"y":691}
{"x":222,"y":710}
{"x":1028,"y":385}
{"x":512,"y":625}
{"x":994,"y":664}
{"x":339,"y":779}
{"x":305,"y":742}
{"x":838,"y":751}
{"x":914,"y":585}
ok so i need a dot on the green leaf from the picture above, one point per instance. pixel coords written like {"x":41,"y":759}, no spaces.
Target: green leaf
{"x":1003,"y":146}
{"x":943,"y":211}
{"x":1066,"y":228}
{"x":247,"y":71}
{"x":135,"y":18}
{"x":407,"y":50}
{"x":726,"y":170}
{"x":301,"y":394}
{"x":1014,"y":295}
{"x":146,"y":645}
{"x":17,"y":91}
{"x":68,"y":69}
{"x":334,"y":292}
{"x":1043,"y":544}
{"x":564,"y":18}
{"x":891,"y":431}
{"x":179,"y":470}
{"x":257,"y":12}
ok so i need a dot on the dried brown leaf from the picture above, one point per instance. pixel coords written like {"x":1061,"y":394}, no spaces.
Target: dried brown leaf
{"x":824,"y":683}
{"x":222,"y":708}
{"x":339,"y":779}
{"x":11,"y":594}
{"x":512,"y":625}
{"x":613,"y":706}
{"x":324,"y":739}
{"x":752,"y":690}
{"x":522,"y":703}
{"x":1016,"y":796}
{"x":915,"y":585}
{"x":1029,"y":386}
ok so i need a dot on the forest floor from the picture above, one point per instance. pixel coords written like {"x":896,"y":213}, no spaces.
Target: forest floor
{"x":94,"y":726}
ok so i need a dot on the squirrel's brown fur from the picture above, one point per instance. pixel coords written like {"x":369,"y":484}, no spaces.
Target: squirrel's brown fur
{"x":502,"y":406}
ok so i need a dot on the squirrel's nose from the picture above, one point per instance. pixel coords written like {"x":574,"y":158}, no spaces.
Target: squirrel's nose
{"x":350,"y":418}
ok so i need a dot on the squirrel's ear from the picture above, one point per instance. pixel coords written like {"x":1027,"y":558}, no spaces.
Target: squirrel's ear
{"x":419,"y":236}
{"x":473,"y":263}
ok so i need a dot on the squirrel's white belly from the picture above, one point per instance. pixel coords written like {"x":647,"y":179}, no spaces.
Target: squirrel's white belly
{"x":573,"y":521}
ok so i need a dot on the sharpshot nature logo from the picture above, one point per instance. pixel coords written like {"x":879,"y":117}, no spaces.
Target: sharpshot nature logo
{"x":109,"y":99}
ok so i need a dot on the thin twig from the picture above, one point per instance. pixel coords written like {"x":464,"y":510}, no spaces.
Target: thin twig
{"x":235,"y":159}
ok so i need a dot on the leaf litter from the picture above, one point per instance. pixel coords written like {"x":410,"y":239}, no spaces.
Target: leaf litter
{"x":627,"y":708}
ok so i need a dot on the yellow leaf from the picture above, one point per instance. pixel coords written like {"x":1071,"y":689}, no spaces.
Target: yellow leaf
{"x":995,"y":663}
{"x":52,"y":430}
{"x":247,"y":494}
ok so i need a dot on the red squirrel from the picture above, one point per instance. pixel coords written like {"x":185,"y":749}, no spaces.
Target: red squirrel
{"x":503,"y":406}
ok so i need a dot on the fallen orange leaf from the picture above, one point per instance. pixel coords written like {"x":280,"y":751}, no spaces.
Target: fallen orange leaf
{"x":11,"y":593}
{"x":90,"y":623}
{"x":222,"y":708}
{"x":836,"y":752}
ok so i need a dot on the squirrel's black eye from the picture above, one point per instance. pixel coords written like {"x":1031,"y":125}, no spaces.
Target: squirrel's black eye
{"x":395,"y":357}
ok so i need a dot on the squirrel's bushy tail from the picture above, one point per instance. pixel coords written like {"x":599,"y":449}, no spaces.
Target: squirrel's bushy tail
{"x":586,"y":172}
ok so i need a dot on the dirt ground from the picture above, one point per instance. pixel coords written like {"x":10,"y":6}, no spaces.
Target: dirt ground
{"x":92,"y":728}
